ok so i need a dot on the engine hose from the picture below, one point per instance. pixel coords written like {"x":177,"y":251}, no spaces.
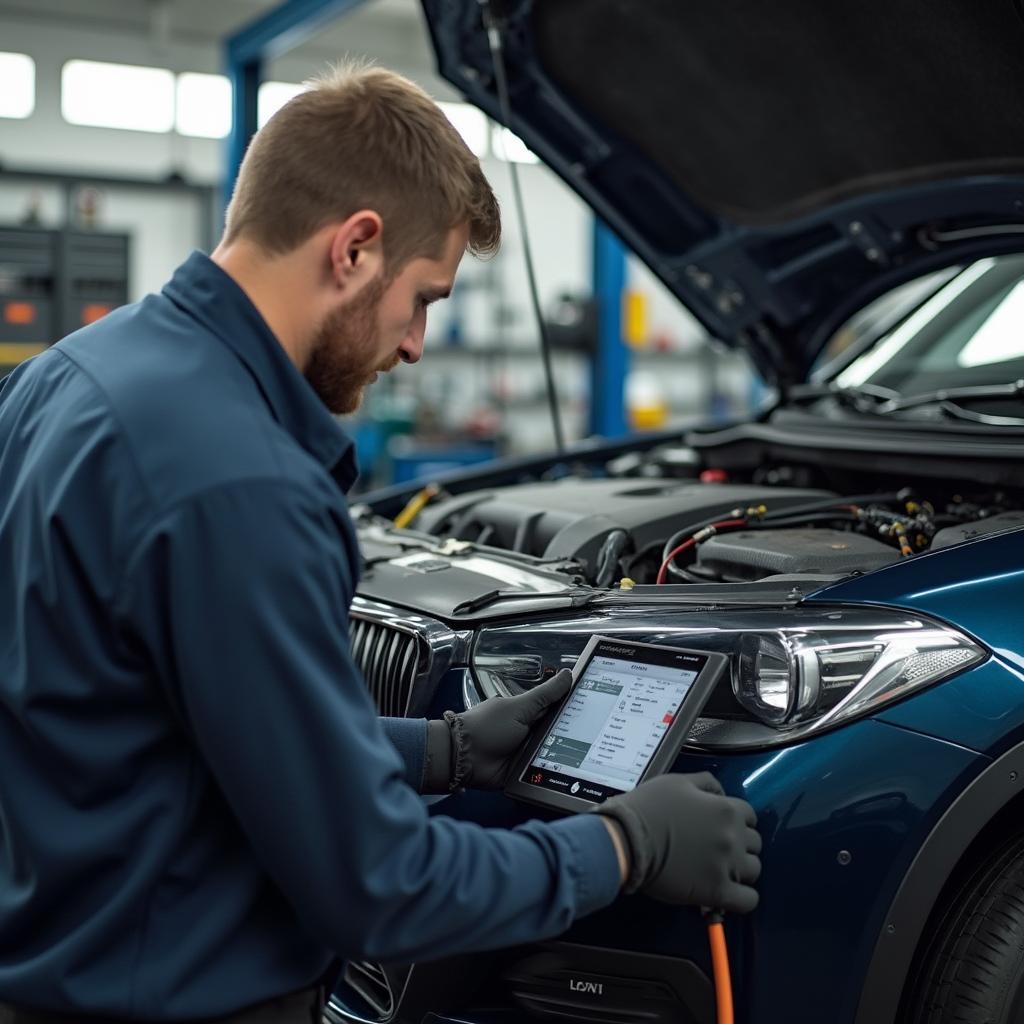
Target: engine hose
{"x":644,"y":552}
{"x":608,"y":557}
{"x":415,"y":505}
{"x":669,"y":568}
{"x":708,"y":531}
{"x":846,"y":499}
{"x":783,"y":514}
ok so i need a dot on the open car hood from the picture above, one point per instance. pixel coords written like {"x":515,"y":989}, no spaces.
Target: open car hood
{"x":780,"y":165}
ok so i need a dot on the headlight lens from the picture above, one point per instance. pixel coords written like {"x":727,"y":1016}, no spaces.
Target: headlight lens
{"x":764,"y":678}
{"x":790,"y":677}
{"x":795,"y":672}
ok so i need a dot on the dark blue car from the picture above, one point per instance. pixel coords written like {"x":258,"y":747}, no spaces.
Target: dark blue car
{"x":837,"y":189}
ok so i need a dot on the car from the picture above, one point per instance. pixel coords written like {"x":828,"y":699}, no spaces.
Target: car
{"x":840,"y":192}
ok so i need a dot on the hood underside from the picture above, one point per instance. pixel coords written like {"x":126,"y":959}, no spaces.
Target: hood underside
{"x":778,"y":166}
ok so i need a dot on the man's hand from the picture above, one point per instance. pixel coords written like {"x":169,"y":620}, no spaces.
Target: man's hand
{"x":482,"y":743}
{"x":689,"y":843}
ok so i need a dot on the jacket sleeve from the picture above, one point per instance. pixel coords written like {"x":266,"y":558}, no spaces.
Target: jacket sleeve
{"x":241,"y":599}
{"x":409,"y":738}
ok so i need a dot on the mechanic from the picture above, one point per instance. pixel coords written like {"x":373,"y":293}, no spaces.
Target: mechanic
{"x":199,"y":808}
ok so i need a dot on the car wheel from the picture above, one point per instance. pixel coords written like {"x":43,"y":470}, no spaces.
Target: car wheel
{"x":972,"y":971}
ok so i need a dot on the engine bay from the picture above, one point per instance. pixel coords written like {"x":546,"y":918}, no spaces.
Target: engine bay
{"x":668,"y":518}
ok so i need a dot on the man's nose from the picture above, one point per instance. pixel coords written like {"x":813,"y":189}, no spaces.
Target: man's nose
{"x":411,"y":349}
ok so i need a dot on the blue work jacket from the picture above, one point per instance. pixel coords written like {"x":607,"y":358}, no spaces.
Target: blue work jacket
{"x":199,"y":806}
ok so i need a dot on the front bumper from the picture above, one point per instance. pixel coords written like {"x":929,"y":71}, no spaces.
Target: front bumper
{"x":842,"y":817}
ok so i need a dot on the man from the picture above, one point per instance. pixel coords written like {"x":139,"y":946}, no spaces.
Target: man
{"x":199,"y":808}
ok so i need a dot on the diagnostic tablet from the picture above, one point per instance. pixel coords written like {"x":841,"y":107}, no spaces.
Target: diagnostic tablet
{"x":625,"y":719}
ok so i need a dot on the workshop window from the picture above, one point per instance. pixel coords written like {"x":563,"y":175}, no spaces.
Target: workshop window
{"x":203,"y":107}
{"x":272,"y":97}
{"x":17,"y":85}
{"x":117,"y":96}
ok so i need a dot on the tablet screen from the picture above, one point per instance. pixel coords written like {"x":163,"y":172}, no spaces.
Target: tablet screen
{"x":616,"y":717}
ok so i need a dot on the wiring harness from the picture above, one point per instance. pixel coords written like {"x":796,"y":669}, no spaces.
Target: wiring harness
{"x":911,"y":529}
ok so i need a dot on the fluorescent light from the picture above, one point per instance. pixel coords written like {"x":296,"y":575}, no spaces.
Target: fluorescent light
{"x":507,"y":146}
{"x":203,"y":105}
{"x":117,"y":96}
{"x":470,"y":122}
{"x":17,"y":85}
{"x":273,"y":96}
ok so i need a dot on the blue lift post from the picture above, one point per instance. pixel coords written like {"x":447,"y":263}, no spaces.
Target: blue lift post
{"x":273,"y":33}
{"x":611,"y":360}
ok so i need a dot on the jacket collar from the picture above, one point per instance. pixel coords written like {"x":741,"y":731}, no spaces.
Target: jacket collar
{"x":201,"y":288}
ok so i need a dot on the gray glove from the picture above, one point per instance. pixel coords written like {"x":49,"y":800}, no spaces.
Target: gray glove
{"x":477,"y":748}
{"x":689,"y":843}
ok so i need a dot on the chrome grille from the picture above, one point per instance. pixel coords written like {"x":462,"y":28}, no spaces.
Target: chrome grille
{"x":370,"y":981}
{"x":391,"y":660}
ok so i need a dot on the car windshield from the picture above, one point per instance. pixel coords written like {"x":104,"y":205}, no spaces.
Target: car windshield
{"x":970,"y":333}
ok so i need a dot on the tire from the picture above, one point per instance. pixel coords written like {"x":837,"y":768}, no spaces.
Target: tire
{"x":972,"y":971}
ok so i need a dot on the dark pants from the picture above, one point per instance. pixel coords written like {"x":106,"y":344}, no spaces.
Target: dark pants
{"x":297,"y":1008}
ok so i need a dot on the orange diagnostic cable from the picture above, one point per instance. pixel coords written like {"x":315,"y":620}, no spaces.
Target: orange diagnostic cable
{"x":720,"y":963}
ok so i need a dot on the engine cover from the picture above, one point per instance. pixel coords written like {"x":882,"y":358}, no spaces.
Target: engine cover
{"x":755,"y":554}
{"x":571,"y":518}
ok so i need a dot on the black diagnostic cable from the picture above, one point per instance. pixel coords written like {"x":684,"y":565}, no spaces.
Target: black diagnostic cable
{"x":501,"y":83}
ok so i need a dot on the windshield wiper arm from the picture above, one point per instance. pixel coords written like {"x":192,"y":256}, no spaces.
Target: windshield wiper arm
{"x":1014,"y":390}
{"x":948,"y":400}
{"x":865,"y":396}
{"x":883,"y":401}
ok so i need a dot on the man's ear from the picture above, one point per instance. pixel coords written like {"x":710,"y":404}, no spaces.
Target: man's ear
{"x":357,"y":251}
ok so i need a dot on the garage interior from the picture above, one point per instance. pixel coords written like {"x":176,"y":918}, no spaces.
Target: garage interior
{"x":153,"y":188}
{"x":736,"y":412}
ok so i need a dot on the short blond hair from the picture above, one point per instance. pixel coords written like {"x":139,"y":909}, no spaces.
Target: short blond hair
{"x":362,"y":137}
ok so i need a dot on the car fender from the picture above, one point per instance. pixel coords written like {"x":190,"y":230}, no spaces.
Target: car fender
{"x":967,"y":816}
{"x":976,"y":587}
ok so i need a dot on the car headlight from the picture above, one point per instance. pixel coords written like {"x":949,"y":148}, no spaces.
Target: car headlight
{"x":789,"y":677}
{"x":794,"y":672}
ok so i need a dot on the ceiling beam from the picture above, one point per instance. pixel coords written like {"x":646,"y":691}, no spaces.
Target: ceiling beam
{"x":283,"y":28}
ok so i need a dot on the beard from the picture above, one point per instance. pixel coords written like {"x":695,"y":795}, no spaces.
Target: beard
{"x":345,"y":352}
